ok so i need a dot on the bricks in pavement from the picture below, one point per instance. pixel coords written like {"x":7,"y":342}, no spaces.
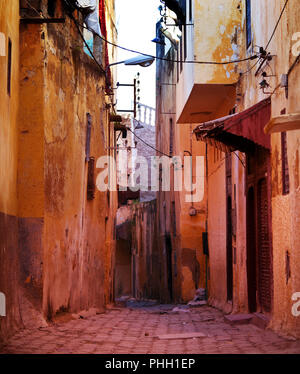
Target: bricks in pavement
{"x":135,"y":330}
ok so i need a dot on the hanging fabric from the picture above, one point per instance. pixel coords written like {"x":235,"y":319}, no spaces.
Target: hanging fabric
{"x":89,"y":9}
{"x":104,"y":33}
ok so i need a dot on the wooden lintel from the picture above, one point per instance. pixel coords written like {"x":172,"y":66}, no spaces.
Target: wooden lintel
{"x":286,"y":122}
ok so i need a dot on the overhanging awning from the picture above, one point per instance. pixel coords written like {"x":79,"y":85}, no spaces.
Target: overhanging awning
{"x":241,"y":131}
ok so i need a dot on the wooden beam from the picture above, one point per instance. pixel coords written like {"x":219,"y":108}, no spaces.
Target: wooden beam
{"x":36,"y":20}
{"x":283,"y":123}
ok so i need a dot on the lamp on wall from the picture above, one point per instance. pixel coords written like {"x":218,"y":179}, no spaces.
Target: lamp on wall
{"x":141,"y":60}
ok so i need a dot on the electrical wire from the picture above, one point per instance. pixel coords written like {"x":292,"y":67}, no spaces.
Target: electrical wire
{"x":34,"y":9}
{"x":291,"y":68}
{"x":279,"y":19}
{"x":148,"y":145}
{"x":270,"y":39}
{"x":241,"y":161}
{"x":181,"y":61}
{"x":169,"y":60}
{"x":85,"y":42}
{"x":251,"y":68}
{"x":265,"y":59}
{"x":175,"y":61}
{"x":77,"y":26}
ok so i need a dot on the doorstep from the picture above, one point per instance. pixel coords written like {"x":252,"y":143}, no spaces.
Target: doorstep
{"x":238,"y":319}
{"x":258,"y":319}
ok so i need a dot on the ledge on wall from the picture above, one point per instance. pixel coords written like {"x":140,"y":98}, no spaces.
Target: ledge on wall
{"x":283,"y":123}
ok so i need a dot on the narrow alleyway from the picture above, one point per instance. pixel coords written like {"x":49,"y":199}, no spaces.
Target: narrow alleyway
{"x":136,"y":330}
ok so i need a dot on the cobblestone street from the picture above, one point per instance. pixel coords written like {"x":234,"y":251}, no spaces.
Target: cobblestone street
{"x":135,"y":330}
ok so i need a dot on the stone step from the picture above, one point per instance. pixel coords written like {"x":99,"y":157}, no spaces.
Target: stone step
{"x":185,"y":335}
{"x":260,"y":320}
{"x":238,"y":319}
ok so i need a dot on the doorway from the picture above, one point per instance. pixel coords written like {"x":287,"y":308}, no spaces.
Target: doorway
{"x":123,"y":269}
{"x":259,"y":241}
{"x":229,"y":249}
{"x":251,"y":251}
{"x":169,"y":266}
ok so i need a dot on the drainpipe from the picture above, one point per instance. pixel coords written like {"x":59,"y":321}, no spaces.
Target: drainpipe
{"x":193,"y":211}
{"x":206,"y":218}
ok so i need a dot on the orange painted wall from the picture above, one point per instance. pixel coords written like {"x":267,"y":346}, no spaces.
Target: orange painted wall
{"x":285,"y":208}
{"x":8,"y":109}
{"x":9,"y":264}
{"x":77,"y":235}
{"x":189,"y":267}
{"x":58,"y":244}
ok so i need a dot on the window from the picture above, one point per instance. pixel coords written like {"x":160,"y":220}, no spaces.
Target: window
{"x":171,"y":136}
{"x":177,"y":70}
{"x":190,"y":10}
{"x":248,"y":23}
{"x":91,"y":179}
{"x":9,"y":51}
{"x":181,"y":63}
{"x":173,"y":218}
{"x":88,"y":136}
{"x":287,"y":267}
{"x":51,"y":7}
{"x":184,"y":42}
{"x":285,"y":166}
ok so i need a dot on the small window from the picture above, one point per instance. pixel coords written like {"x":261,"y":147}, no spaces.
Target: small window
{"x":285,"y":165}
{"x":88,"y":136}
{"x":190,"y":10}
{"x":91,"y":179}
{"x":248,"y":23}
{"x":9,"y":52}
{"x":181,"y":51}
{"x":173,"y":218}
{"x":51,"y":8}
{"x":171,"y":136}
{"x":184,"y":42}
{"x":177,"y":70}
{"x":287,"y":267}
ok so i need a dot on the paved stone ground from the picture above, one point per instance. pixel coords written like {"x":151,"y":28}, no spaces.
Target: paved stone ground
{"x":134,"y":330}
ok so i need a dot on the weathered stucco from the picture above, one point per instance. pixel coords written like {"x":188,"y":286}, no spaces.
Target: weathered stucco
{"x":9,"y":262}
{"x":189,"y":266}
{"x":285,"y":208}
{"x":56,"y":243}
{"x":206,"y":91}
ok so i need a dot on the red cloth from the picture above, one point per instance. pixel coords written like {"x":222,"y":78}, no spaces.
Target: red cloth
{"x":104,"y":34}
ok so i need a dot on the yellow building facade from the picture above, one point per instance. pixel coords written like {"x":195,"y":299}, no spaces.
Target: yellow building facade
{"x":235,"y":83}
{"x":57,"y":124}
